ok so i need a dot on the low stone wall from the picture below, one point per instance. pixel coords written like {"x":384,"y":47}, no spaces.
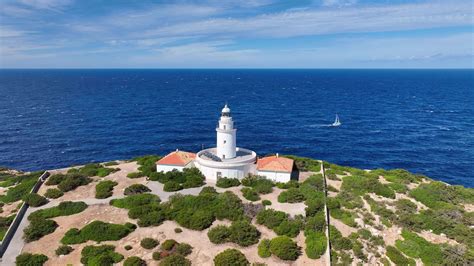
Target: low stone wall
{"x":326,"y":213}
{"x":19,"y":216}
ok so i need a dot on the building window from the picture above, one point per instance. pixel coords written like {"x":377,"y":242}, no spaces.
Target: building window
{"x":224,"y":127}
{"x":225,"y":141}
{"x":218,"y":175}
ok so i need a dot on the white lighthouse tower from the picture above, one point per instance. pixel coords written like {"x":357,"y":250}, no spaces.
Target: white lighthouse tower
{"x":226,"y":137}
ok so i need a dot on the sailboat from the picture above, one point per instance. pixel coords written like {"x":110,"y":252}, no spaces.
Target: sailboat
{"x":336,"y":122}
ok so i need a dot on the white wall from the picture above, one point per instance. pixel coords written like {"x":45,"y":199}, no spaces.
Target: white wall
{"x":276,"y":176}
{"x":234,"y":172}
{"x":168,"y":168}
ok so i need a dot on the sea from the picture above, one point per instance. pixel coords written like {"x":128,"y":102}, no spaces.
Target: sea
{"x":419,"y":120}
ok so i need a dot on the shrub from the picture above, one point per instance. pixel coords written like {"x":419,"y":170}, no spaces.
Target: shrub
{"x":316,"y":244}
{"x":97,"y":231}
{"x":65,"y":208}
{"x":136,"y":189}
{"x":135,"y":201}
{"x":156,"y":255}
{"x":168,"y":244}
{"x":271,"y":218}
{"x":289,"y":228}
{"x":100,"y":255}
{"x":292,"y":195}
{"x":63,"y":250}
{"x":316,"y":223}
{"x":184,"y":249}
{"x":178,"y":230}
{"x":128,"y":247}
{"x":227,"y":182}
{"x":171,"y":186}
{"x":397,"y":257}
{"x":266,"y":202}
{"x":417,"y":247}
{"x":55,"y":179}
{"x":219,"y":234}
{"x":104,"y":189}
{"x":264,"y":248}
{"x":287,"y":185}
{"x":208,"y":190}
{"x":28,"y":259}
{"x":35,"y":200}
{"x":250,"y":194}
{"x":93,"y":169}
{"x":53,"y":193}
{"x":284,"y":248}
{"x":72,"y":181}
{"x":174,"y":260}
{"x":134,"y":261}
{"x":231,"y":257}
{"x":17,"y":192}
{"x":260,"y":184}
{"x":39,"y":228}
{"x":243,"y":233}
{"x":135,"y":175}
{"x":149,"y":243}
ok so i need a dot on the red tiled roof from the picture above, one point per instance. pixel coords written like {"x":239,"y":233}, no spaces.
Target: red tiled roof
{"x":181,"y":158}
{"x":275,"y":163}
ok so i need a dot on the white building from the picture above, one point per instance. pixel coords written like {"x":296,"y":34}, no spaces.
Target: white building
{"x":228,"y":160}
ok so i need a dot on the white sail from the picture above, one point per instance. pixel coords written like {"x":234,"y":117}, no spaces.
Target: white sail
{"x":336,"y":122}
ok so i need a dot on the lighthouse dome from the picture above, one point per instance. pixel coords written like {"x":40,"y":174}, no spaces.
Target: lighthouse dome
{"x":225,"y":111}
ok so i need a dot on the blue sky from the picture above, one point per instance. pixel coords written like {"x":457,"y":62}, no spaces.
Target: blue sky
{"x":236,"y":34}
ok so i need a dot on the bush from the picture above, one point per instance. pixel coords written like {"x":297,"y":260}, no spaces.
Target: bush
{"x":271,"y":218}
{"x":417,"y":247}
{"x":26,"y":183}
{"x":178,"y":230}
{"x":65,"y":208}
{"x":264,"y":248}
{"x":316,"y":244}
{"x":55,"y":179}
{"x":292,"y":195}
{"x":93,"y":169}
{"x":134,"y":261}
{"x":397,"y":257}
{"x":28,"y":259}
{"x":98,"y":231}
{"x":284,"y":248}
{"x":149,"y":243}
{"x":104,"y":189}
{"x":260,"y":184}
{"x":219,"y":234}
{"x":287,"y":185}
{"x":128,"y":247}
{"x":174,"y":260}
{"x":53,"y":193}
{"x":227,"y":182}
{"x":243,"y":233}
{"x":208,"y":190}
{"x":171,"y":186}
{"x":39,"y":228}
{"x":135,"y":175}
{"x":136,"y":189}
{"x":316,"y":223}
{"x":72,"y":181}
{"x":156,"y":255}
{"x":103,"y":255}
{"x":231,"y":257}
{"x":266,"y":202}
{"x":168,"y":244}
{"x":35,"y":200}
{"x":250,"y":194}
{"x":184,"y":249}
{"x":63,"y":250}
{"x":289,"y":228}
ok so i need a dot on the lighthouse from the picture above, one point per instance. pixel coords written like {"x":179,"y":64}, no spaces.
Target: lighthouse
{"x":226,"y":135}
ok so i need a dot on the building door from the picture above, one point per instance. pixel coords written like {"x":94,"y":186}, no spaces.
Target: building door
{"x":218,"y":175}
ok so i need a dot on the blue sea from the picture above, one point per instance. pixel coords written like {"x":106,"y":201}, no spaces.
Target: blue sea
{"x":420,"y":120}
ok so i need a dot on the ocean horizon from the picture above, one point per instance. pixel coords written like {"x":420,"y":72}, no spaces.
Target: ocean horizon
{"x":421,"y":120}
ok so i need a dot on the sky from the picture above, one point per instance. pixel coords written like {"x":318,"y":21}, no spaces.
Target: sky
{"x":237,"y":34}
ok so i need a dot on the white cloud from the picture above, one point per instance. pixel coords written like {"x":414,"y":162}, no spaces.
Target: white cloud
{"x":9,"y":32}
{"x":53,"y":5}
{"x":338,"y":2}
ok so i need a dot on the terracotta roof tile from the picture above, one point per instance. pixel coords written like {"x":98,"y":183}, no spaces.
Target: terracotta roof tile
{"x":275,"y":163}
{"x":181,"y":158}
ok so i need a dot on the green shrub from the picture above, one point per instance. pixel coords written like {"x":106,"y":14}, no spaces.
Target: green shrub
{"x":55,"y":179}
{"x":149,"y":243}
{"x":103,"y":255}
{"x":362,"y":184}
{"x":264,"y":248}
{"x":227,"y":182}
{"x":93,"y":169}
{"x":39,"y":228}
{"x":135,"y":175}
{"x":260,"y":184}
{"x":346,"y":217}
{"x":53,"y":193}
{"x":231,"y":257}
{"x":289,"y":228}
{"x":134,"y":261}
{"x":104,"y":189}
{"x":397,"y":257}
{"x":63,"y":250}
{"x":287,"y":185}
{"x":135,"y":201}
{"x":208,"y":190}
{"x":417,"y":247}
{"x":168,"y":244}
{"x":174,"y":260}
{"x":284,"y":248}
{"x":35,"y":200}
{"x":305,"y":164}
{"x":97,"y":231}
{"x":72,"y":181}
{"x":316,"y":223}
{"x":266,"y":202}
{"x":136,"y":189}
{"x":243,"y":233}
{"x":128,"y":247}
{"x":219,"y":234}
{"x":314,"y":206}
{"x":250,"y":194}
{"x":28,"y":259}
{"x":188,"y":178}
{"x":178,"y":230}
{"x":316,"y":244}
{"x":292,"y":195}
{"x":65,"y":208}
{"x":156,"y":255}
{"x":171,"y":186}
{"x":17,"y":192}
{"x":271,"y":218}
{"x":184,"y":249}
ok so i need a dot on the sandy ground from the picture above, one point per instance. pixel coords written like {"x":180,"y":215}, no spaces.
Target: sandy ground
{"x":345,"y":229}
{"x":10,"y":208}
